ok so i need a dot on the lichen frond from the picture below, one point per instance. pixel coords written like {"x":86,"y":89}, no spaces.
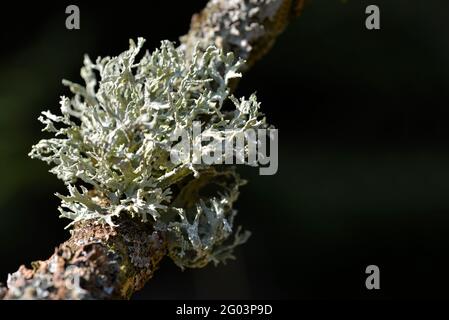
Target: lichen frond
{"x":114,"y":136}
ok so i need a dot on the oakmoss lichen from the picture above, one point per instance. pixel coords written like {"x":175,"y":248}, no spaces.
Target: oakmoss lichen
{"x":114,"y":136}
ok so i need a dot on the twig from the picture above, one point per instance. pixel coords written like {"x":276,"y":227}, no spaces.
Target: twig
{"x":104,"y":262}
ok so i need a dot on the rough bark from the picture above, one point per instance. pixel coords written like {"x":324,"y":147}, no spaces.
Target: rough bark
{"x":248,"y":28}
{"x":97,"y":262}
{"x":103,"y":262}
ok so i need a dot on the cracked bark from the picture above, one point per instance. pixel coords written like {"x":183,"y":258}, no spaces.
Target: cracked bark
{"x":103,"y":262}
{"x":97,"y":262}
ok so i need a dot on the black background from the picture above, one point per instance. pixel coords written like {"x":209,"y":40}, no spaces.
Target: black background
{"x":363,"y":160}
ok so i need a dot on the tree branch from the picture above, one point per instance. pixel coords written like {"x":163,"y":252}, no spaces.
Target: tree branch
{"x":97,"y":262}
{"x":248,"y":28}
{"x":104,"y":262}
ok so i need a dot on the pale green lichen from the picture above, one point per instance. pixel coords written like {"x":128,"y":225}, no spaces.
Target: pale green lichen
{"x":113,"y":140}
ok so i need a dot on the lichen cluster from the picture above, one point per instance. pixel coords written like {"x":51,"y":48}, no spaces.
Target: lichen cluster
{"x":246,"y":27}
{"x":113,"y":138}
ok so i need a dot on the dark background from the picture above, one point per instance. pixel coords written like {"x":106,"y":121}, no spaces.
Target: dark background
{"x":363,"y":160}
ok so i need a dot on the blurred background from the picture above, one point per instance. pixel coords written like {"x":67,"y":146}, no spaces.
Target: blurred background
{"x":363,"y":162}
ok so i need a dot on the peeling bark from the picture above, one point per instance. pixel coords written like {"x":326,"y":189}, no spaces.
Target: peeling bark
{"x":103,"y":262}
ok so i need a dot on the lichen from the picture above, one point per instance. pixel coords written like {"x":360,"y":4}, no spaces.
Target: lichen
{"x":245,"y":27}
{"x":114,"y":136}
{"x":64,"y":276}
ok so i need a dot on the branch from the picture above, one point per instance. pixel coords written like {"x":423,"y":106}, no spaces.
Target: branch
{"x":248,"y":28}
{"x":97,"y":262}
{"x":105,"y":262}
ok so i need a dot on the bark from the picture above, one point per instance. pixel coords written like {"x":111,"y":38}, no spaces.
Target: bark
{"x":103,"y":262}
{"x":248,"y":28}
{"x":97,"y":262}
